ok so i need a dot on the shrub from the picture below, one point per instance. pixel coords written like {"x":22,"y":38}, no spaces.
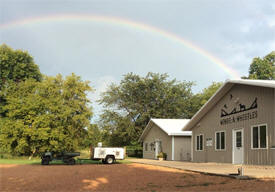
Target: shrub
{"x":162,"y":155}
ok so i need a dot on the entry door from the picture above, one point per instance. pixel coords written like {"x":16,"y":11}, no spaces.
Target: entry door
{"x":157,"y":148}
{"x":238,"y":150}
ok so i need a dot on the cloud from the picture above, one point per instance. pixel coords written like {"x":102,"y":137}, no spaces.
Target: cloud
{"x":100,"y":85}
{"x":234,"y":31}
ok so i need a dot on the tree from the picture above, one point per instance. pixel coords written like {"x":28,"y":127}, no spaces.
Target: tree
{"x":201,"y":98}
{"x":130,"y":105}
{"x":263,"y":68}
{"x":15,"y":66}
{"x":93,"y":136}
{"x":49,"y":115}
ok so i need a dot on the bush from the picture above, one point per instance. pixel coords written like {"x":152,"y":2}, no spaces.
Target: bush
{"x":134,"y":151}
{"x":162,"y":155}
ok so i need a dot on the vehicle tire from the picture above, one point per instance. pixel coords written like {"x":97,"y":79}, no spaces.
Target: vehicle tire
{"x":45,"y":161}
{"x":110,"y":160}
{"x":71,"y":161}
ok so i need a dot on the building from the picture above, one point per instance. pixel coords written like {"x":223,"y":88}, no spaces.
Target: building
{"x":236,"y":125}
{"x":165,"y":135}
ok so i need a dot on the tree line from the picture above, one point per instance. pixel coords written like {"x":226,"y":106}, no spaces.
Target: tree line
{"x":40,"y":113}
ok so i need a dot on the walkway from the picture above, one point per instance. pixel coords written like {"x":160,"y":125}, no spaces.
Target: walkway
{"x":223,"y":169}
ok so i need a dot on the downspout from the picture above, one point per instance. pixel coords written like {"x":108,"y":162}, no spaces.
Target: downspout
{"x":173,"y":147}
{"x":192,"y":147}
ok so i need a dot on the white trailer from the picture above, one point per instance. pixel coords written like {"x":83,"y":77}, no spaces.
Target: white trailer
{"x":108,"y":154}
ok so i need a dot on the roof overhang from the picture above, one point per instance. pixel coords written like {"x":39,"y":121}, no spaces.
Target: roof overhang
{"x":153,"y":122}
{"x":146,"y":130}
{"x":186,"y":133}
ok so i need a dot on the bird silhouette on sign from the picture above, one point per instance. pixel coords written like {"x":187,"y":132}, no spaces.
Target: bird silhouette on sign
{"x":223,"y":113}
{"x":254,"y":105}
{"x":241,"y":107}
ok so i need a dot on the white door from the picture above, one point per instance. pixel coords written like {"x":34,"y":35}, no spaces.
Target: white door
{"x":238,"y":150}
{"x":157,"y":148}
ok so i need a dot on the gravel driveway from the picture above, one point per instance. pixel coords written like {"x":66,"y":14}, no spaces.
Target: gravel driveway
{"x":118,"y":177}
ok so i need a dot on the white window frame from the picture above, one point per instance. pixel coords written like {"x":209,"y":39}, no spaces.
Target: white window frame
{"x":259,"y":137}
{"x":199,"y":142}
{"x":220,"y":140}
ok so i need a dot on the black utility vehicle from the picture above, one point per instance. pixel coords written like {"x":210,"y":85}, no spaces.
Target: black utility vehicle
{"x":66,"y":157}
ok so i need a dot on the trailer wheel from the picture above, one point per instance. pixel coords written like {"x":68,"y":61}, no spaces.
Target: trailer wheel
{"x":45,"y":161}
{"x":71,"y":161}
{"x":110,"y":160}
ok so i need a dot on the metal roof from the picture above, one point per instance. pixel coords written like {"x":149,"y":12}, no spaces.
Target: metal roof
{"x":220,"y":93}
{"x":172,"y":127}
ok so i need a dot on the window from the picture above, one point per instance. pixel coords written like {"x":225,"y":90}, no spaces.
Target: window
{"x":220,"y":140}
{"x":238,"y":139}
{"x":259,"y":137}
{"x":199,"y":142}
{"x":146,"y":146}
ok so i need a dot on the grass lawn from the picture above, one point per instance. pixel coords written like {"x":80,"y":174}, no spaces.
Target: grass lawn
{"x":37,"y":161}
{"x":20,"y":161}
{"x":84,"y":155}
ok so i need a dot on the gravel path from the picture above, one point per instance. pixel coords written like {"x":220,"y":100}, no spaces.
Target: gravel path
{"x":118,"y":177}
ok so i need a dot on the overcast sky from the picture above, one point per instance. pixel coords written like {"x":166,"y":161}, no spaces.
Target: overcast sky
{"x":233,"y":31}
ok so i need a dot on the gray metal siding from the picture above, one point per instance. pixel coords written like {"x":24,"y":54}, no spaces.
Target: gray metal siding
{"x":182,"y":148}
{"x":210,"y":123}
{"x":154,"y":134}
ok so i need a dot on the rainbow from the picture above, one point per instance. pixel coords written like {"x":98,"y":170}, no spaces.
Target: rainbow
{"x":126,"y":23}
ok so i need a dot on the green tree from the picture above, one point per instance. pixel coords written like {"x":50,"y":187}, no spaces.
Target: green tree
{"x":15,"y":66}
{"x":201,"y":98}
{"x":48,"y":115}
{"x":93,"y":136}
{"x":263,"y":68}
{"x":130,"y":105}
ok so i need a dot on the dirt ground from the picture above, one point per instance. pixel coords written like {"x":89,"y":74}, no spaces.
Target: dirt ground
{"x":118,"y":177}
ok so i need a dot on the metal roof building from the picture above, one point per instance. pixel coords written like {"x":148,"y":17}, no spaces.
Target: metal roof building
{"x":166,"y":135}
{"x":236,"y":125}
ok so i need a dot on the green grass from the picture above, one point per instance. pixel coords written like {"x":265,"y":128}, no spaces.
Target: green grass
{"x":20,"y":161}
{"x":125,"y":161}
{"x":134,"y":157}
{"x":23,"y":160}
{"x":36,"y":161}
{"x":89,"y":161}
